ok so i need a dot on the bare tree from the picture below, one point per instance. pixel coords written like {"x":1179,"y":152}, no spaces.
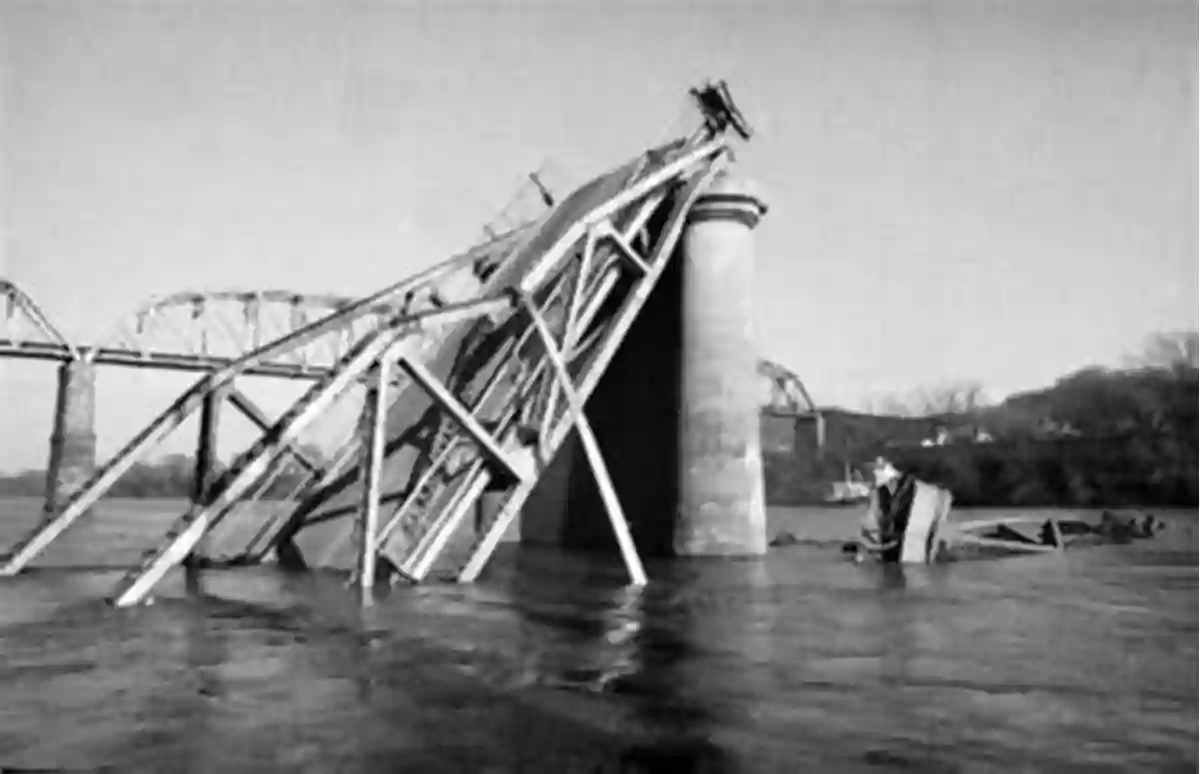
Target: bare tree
{"x":964,"y":397}
{"x":892,"y":405}
{"x":960,"y":397}
{"x":1169,"y":350}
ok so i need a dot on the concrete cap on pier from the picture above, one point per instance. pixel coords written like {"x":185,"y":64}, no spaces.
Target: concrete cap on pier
{"x":730,"y":197}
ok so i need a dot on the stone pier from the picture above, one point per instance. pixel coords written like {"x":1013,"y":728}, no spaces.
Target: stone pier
{"x":73,"y":440}
{"x":722,"y":507}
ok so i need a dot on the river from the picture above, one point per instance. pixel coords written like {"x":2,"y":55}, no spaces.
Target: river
{"x":1083,"y":661}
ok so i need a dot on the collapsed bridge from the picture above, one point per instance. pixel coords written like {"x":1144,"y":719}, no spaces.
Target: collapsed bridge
{"x":459,"y":394}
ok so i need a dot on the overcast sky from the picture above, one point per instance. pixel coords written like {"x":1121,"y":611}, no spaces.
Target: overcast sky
{"x":997,"y":191}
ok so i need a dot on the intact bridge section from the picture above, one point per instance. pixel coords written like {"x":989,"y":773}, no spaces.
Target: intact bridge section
{"x":456,"y":397}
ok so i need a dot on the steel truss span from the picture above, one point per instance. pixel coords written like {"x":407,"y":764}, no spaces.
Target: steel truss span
{"x":463,"y":380}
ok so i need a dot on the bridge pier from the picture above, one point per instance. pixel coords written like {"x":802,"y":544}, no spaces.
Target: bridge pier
{"x":73,"y":439}
{"x":677,"y":414}
{"x":205,"y":474}
{"x":722,"y":507}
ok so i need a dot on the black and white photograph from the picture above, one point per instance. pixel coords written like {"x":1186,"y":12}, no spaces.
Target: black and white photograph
{"x":568,"y":387}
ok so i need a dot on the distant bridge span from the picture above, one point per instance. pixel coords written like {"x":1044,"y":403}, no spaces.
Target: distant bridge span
{"x":195,"y":331}
{"x":204,"y":331}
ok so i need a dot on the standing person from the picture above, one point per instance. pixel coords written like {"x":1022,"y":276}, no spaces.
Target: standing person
{"x":887,"y":514}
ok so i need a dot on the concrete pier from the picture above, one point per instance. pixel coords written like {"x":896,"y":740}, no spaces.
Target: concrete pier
{"x":635,"y":415}
{"x":73,"y":440}
{"x":206,"y":470}
{"x":722,"y":508}
{"x":677,"y":414}
{"x":206,"y":466}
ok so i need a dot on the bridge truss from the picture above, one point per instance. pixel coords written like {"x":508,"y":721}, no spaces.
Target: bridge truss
{"x":462,"y":380}
{"x":203,"y":331}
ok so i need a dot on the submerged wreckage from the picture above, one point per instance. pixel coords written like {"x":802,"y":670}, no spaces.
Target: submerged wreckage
{"x":1003,"y":537}
{"x":907,"y":521}
{"x":485,"y":393}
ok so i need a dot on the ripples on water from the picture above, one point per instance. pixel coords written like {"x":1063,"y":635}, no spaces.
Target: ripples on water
{"x":802,"y":662}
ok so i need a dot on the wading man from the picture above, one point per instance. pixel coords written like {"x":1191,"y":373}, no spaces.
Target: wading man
{"x":888,"y":513}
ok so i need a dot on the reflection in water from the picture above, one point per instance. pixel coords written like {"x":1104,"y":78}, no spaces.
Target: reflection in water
{"x":666,"y":648}
{"x":206,"y":648}
{"x":799,"y":662}
{"x":638,"y":644}
{"x":892,"y":577}
{"x":895,"y":645}
{"x":894,"y":621}
{"x":655,"y":649}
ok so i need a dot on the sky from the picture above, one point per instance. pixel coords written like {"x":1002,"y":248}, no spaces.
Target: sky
{"x":999,"y":192}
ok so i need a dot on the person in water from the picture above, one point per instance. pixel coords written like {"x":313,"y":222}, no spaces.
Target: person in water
{"x":887,"y":514}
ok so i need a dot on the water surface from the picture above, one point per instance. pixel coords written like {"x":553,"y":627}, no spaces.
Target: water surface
{"x":1085,"y":661}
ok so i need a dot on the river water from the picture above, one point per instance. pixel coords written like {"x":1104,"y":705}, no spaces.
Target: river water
{"x":1084,"y":661}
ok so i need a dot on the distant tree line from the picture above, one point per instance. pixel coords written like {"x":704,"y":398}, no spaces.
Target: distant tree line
{"x":170,"y":477}
{"x":1097,"y":437}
